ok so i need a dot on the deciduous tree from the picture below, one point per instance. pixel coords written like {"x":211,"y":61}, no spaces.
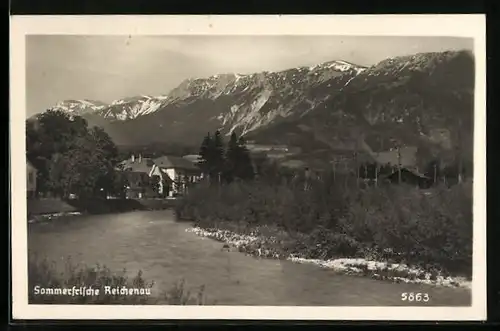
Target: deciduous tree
{"x":70,"y":157}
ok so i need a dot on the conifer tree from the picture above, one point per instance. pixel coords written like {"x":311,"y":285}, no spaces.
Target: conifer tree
{"x":238,"y":163}
{"x":217,"y":156}
{"x":204,"y":159}
{"x":245,"y":167}
{"x":231,"y":160}
{"x":211,"y":155}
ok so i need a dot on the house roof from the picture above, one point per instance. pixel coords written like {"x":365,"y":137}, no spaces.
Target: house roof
{"x":294,"y":164}
{"x":143,"y":166}
{"x":192,"y":157}
{"x":410,"y":170}
{"x":408,"y":157}
{"x":30,"y":165}
{"x":175,"y":162}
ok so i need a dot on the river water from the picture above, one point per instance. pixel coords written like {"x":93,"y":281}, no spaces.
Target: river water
{"x":152,"y":241}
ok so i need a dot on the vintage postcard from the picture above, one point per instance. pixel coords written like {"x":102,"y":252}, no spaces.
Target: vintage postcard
{"x":248,"y":167}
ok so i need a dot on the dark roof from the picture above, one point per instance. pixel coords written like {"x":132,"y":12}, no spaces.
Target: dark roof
{"x":193,"y":158}
{"x":30,"y":165}
{"x":175,"y":162}
{"x":407,"y":153}
{"x":136,"y":166}
{"x":408,"y":170}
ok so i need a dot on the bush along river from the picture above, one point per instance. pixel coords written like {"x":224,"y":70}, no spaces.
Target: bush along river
{"x":255,"y":270}
{"x":266,"y":246}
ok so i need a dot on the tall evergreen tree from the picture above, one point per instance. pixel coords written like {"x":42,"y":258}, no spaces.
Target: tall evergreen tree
{"x":231,"y":160}
{"x":217,"y":161}
{"x":205,"y":160}
{"x":211,"y":153}
{"x":244,"y":166}
{"x":238,"y":161}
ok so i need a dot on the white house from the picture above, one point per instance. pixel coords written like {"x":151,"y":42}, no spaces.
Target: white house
{"x":176,"y":170}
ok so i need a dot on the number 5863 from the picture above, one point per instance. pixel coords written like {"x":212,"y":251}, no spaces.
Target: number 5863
{"x":415,"y":297}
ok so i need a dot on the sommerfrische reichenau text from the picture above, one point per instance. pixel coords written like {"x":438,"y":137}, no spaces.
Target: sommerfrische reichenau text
{"x":91,"y":291}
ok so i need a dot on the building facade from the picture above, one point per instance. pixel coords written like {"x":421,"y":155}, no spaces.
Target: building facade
{"x":31,"y":174}
{"x":175,"y":174}
{"x":165,"y":176}
{"x":136,"y":172}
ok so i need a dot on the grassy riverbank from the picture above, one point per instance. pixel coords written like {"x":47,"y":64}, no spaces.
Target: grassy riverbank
{"x":38,"y":208}
{"x":430,"y":231}
{"x":44,"y":275}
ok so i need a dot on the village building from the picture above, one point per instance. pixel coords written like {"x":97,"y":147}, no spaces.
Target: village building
{"x":409,"y":176}
{"x":195,"y":158}
{"x":393,"y":166}
{"x":31,"y":179}
{"x":252,"y":147}
{"x":177,"y":172}
{"x":406,"y":157}
{"x":368,"y":167}
{"x":137,"y":176}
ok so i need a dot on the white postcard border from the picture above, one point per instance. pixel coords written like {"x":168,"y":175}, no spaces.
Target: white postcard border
{"x":472,"y":26}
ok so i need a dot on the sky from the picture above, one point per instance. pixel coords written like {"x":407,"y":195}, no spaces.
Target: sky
{"x":108,"y":68}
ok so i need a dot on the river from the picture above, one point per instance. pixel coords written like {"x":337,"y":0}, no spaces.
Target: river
{"x":152,"y":241}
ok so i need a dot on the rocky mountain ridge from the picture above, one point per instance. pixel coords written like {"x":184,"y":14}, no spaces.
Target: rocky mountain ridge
{"x":423,"y":100}
{"x":209,"y":88}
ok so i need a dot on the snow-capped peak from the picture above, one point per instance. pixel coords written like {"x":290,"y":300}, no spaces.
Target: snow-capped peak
{"x":78,"y":107}
{"x":118,"y":102}
{"x":213,"y":87}
{"x":85,"y":102}
{"x":338,"y":65}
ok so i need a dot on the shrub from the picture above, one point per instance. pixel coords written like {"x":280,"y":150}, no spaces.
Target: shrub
{"x":179,"y":295}
{"x":429,"y":228}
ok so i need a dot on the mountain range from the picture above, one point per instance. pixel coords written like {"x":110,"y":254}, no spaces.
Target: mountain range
{"x":423,"y":100}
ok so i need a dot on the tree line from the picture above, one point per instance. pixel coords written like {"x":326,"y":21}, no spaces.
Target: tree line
{"x":71,"y":157}
{"x":156,"y":149}
{"x":434,"y":171}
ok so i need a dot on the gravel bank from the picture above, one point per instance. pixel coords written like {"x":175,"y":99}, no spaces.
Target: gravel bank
{"x":265,"y":247}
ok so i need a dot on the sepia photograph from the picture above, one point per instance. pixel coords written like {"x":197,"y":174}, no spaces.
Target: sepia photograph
{"x":179,"y":163}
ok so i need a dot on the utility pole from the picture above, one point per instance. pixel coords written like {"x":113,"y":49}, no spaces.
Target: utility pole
{"x":459,"y":150}
{"x":435,"y":173}
{"x":334,"y":170}
{"x":307,"y":176}
{"x":357,"y":169}
{"x":399,"y":164}
{"x":357,"y":165}
{"x":346,"y":173}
